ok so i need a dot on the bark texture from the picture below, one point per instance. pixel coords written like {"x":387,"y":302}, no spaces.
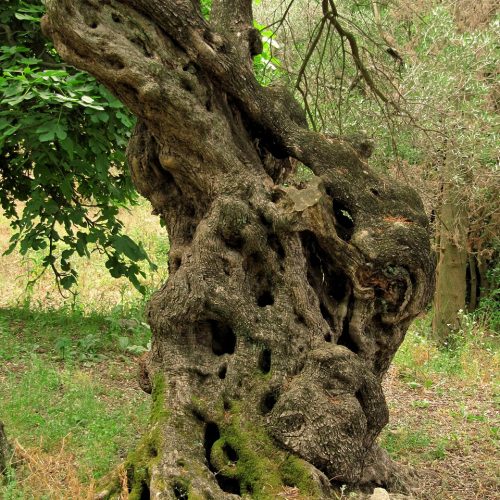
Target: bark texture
{"x":285,"y":303}
{"x":5,"y":451}
{"x":451,"y":282}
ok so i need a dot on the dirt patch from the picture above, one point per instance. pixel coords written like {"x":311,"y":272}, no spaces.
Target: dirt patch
{"x":447,"y":435}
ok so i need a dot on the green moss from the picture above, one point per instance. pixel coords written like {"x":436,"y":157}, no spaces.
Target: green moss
{"x":295,"y":473}
{"x":195,"y":496}
{"x":158,"y":410}
{"x":246,"y":452}
{"x":180,"y":487}
{"x":140,"y":461}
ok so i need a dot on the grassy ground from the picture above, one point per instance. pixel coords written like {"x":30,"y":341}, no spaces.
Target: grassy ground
{"x":444,"y":413}
{"x":70,"y":403}
{"x":68,"y":392}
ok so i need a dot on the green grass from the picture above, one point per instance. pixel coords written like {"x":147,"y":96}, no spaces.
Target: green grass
{"x":442,"y":409}
{"x":68,"y":389}
{"x":44,"y":405}
{"x":75,"y":393}
{"x":71,"y":334}
{"x":471,"y":355}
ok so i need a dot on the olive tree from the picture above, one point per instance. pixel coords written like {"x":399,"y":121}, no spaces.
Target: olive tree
{"x":285,"y":303}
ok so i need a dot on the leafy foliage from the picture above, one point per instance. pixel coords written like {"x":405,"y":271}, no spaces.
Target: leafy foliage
{"x":266,"y":65}
{"x":62,"y":143}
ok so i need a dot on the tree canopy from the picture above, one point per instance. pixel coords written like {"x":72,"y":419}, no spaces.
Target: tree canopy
{"x":62,"y":154}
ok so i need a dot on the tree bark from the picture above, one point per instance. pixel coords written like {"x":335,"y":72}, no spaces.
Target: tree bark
{"x":285,"y":303}
{"x":451,"y":283}
{"x":5,"y":451}
{"x":473,"y":283}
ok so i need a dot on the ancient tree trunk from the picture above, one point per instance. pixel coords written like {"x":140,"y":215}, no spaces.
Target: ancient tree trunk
{"x":285,"y":304}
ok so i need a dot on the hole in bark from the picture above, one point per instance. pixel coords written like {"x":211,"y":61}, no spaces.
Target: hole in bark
{"x":115,"y":62}
{"x":275,"y":244}
{"x":299,"y":318}
{"x":223,"y":338}
{"x":175,"y":263}
{"x":222,"y":372}
{"x":374,"y":191}
{"x":260,"y":278}
{"x":180,"y":490}
{"x":208,"y":105}
{"x":227,"y":484}
{"x":230,"y":452}
{"x":116,"y":18}
{"x":226,"y":404}
{"x":265,"y":299}
{"x":129,"y":89}
{"x":234,"y":241}
{"x":328,"y":337}
{"x":344,"y":221}
{"x":130,"y":478}
{"x":346,"y":340}
{"x":198,"y":415}
{"x":321,"y":273}
{"x":190,"y":67}
{"x":212,"y":434}
{"x":145,"y":493}
{"x":187,"y":85}
{"x":276,"y":196}
{"x":93,"y":25}
{"x":265,"y":361}
{"x":269,"y":401}
{"x":265,"y":222}
{"x":359,"y":397}
{"x":153,"y":450}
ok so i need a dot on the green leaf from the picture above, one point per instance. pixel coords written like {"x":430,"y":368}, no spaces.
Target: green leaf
{"x":124,"y":244}
{"x":68,"y":281}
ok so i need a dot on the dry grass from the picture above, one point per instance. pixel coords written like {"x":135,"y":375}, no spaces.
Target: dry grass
{"x":55,"y":475}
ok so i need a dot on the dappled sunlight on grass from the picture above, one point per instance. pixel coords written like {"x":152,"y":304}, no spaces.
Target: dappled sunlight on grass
{"x":96,"y":289}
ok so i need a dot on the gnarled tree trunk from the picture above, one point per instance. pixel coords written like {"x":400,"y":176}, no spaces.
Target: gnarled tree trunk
{"x":285,"y":304}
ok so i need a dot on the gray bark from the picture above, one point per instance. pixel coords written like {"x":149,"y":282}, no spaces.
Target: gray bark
{"x":285,"y":304}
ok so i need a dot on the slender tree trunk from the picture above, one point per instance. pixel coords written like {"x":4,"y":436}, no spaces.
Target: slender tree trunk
{"x":473,"y":284}
{"x":484,"y":285}
{"x":284,"y":304}
{"x":451,"y":283}
{"x":5,"y":451}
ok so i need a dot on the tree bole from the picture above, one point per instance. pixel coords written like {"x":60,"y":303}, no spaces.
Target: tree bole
{"x":284,"y":304}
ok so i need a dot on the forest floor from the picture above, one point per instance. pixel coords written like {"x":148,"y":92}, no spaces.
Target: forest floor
{"x":72,"y":407}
